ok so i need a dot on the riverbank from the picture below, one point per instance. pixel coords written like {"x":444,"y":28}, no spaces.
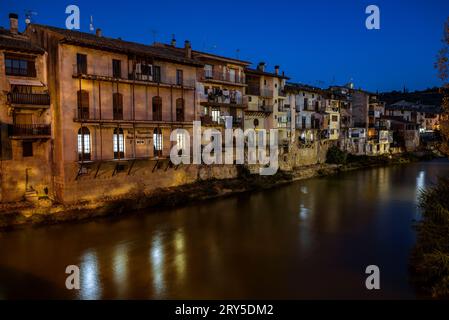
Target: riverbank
{"x":45,"y":212}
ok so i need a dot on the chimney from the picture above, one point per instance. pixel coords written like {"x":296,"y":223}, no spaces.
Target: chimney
{"x":98,"y":32}
{"x":188,"y":49}
{"x":14,"y":23}
{"x":276,"y":70}
{"x":261,"y":66}
{"x":173,"y":41}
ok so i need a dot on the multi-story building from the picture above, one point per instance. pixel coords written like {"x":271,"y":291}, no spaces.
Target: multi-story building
{"x":367,"y":114}
{"x":114,"y":106}
{"x":426,"y":116}
{"x":267,"y":102}
{"x":221,"y":87}
{"x":342,"y":96}
{"x":25,"y":117}
{"x":308,"y":102}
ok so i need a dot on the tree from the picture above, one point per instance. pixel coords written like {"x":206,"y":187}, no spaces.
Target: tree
{"x":442,"y":65}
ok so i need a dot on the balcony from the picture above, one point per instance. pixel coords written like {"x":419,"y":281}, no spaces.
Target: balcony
{"x":253,"y":90}
{"x":138,"y":78}
{"x":29,"y":131}
{"x":204,"y":75}
{"x":265,"y":108}
{"x":266,"y":93}
{"x":33,"y":99}
{"x":281,"y":92}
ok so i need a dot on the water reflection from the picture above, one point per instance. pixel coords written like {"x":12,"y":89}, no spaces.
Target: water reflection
{"x":156,"y":260}
{"x":89,"y":277}
{"x":310,"y":239}
{"x":120,"y":267}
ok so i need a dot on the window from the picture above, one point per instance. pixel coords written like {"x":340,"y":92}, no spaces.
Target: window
{"x":116,"y":68}
{"x":157,"y":74}
{"x":18,"y":66}
{"x":180,"y":109}
{"x":157,"y":142}
{"x":179,"y":77}
{"x":83,"y":104}
{"x":118,"y":143}
{"x":27,"y":148}
{"x":334,"y":118}
{"x":180,"y":141}
{"x":215,"y":115}
{"x":83,"y":144}
{"x":232,"y":75}
{"x":208,"y":71}
{"x":81,"y":63}
{"x":157,"y":108}
{"x":303,"y":122}
{"x":117,"y":106}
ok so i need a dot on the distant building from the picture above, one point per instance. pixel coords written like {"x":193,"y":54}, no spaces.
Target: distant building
{"x":426,"y":116}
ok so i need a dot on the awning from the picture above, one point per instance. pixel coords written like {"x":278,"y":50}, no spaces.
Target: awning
{"x":26,"y":82}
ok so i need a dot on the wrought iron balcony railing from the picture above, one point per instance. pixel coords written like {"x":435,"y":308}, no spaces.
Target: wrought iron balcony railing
{"x":41,"y":99}
{"x":29,"y":130}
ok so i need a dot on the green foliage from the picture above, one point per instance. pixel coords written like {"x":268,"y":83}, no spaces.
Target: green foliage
{"x":430,"y":260}
{"x":336,"y":156}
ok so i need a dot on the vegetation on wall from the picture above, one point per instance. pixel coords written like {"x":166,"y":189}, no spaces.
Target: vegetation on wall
{"x":430,"y":258}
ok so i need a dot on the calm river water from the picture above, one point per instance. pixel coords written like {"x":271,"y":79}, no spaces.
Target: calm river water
{"x":310,"y":239}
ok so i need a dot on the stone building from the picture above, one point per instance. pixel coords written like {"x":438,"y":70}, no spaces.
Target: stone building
{"x":114,"y":105}
{"x":268,"y":106}
{"x":266,"y":98}
{"x":367,"y":114}
{"x":308,"y":102}
{"x":25,"y":117}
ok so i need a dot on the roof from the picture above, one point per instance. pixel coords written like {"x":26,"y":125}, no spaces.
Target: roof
{"x":404,"y":105}
{"x":292,"y":86}
{"x":200,"y":54}
{"x":398,"y":119}
{"x":118,"y":45}
{"x":264,"y":73}
{"x":18,"y":42}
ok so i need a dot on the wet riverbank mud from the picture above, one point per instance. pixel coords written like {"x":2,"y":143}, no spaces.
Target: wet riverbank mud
{"x":44,"y":211}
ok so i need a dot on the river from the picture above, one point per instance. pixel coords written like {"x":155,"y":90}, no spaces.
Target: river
{"x":310,"y":239}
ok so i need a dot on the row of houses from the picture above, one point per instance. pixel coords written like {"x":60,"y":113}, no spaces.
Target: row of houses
{"x":84,"y":116}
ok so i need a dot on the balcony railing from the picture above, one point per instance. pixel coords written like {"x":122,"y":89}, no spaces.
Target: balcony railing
{"x":41,"y":99}
{"x":265,"y":108}
{"x":266,"y":92}
{"x":29,"y":130}
{"x":156,"y":79}
{"x":220,"y":76}
{"x":281,"y":92}
{"x":221,"y":98}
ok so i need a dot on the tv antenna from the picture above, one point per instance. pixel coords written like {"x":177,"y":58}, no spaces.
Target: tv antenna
{"x":91,"y":25}
{"x":29,"y":15}
{"x":237,"y":54}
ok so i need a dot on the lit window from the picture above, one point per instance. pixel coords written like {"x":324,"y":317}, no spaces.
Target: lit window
{"x":180,"y":141}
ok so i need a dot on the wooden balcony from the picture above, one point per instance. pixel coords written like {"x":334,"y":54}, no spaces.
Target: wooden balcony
{"x":29,"y":131}
{"x":32,"y":99}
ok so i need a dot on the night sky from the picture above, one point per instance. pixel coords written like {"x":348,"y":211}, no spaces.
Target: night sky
{"x":316,"y":42}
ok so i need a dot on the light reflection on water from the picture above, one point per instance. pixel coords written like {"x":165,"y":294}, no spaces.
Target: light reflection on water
{"x":310,"y":239}
{"x":89,"y":276}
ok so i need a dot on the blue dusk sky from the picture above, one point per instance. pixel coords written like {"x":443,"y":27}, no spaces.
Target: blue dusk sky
{"x":319,"y":42}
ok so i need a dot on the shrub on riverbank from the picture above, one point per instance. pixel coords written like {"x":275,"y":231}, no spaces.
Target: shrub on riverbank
{"x":430,"y":259}
{"x":335,"y":156}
